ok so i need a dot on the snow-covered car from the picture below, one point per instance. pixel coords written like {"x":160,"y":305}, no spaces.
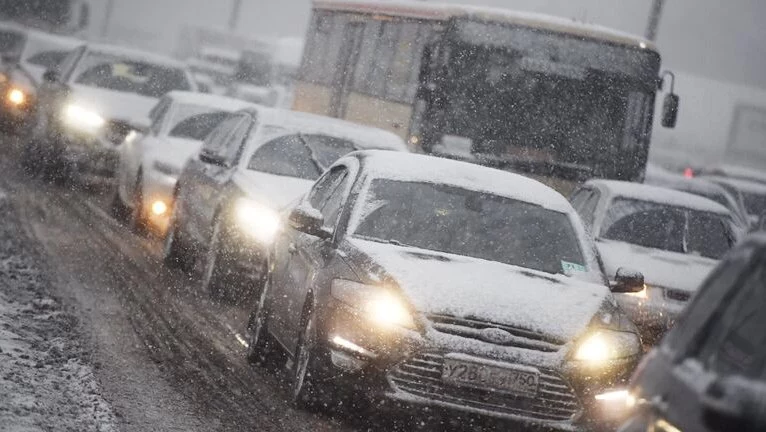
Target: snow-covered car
{"x":700,"y":186}
{"x":90,"y":103}
{"x":24,"y":63}
{"x":434,"y":282}
{"x":250,"y":167}
{"x":707,"y":374}
{"x":150,"y":163}
{"x":752,"y":192}
{"x":674,"y":238}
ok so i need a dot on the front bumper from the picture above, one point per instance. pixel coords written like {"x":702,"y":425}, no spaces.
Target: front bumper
{"x":406,"y":368}
{"x":157,"y":187}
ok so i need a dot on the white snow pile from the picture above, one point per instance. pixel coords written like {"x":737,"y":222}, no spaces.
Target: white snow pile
{"x":46,"y":383}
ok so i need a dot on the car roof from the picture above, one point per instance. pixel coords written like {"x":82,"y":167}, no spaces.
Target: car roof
{"x":740,"y":184}
{"x":295,"y":121}
{"x":659,"y":195}
{"x":55,"y":40}
{"x":136,"y":54}
{"x":209,"y":100}
{"x":434,"y":11}
{"x":432,"y":169}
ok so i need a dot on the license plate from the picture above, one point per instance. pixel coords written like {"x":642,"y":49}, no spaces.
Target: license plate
{"x":508,"y":379}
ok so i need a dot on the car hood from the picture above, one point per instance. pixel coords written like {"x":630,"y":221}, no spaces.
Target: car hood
{"x":173,"y":151}
{"x":435,"y":283}
{"x":113,"y":105}
{"x":272,"y":190}
{"x":660,"y":268}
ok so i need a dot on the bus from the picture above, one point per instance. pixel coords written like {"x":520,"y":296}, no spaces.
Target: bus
{"x":558,"y":100}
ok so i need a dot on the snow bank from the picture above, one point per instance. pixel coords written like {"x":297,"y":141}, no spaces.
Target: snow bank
{"x":46,"y":382}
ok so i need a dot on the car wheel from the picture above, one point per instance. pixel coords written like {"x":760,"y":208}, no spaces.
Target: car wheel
{"x":261,"y":349}
{"x":137,"y":217}
{"x":174,"y":254}
{"x":217,"y":279}
{"x":306,"y":390}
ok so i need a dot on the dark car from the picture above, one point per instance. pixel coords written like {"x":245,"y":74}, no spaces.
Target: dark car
{"x":709,"y":372}
{"x":227,"y":197}
{"x":433,"y":282}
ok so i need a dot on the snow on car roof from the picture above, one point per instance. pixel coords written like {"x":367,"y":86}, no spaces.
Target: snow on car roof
{"x":660,"y":195}
{"x":136,"y":54}
{"x":316,"y":124}
{"x":436,"y":11}
{"x":432,"y":169}
{"x":54,"y":40}
{"x":741,"y":184}
{"x":222,"y":103}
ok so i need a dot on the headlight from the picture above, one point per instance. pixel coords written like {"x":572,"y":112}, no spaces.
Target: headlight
{"x":643,"y":294}
{"x":605,"y":345}
{"x":377,"y":304}
{"x":82,"y":119}
{"x":259,"y":221}
{"x":16,"y":96}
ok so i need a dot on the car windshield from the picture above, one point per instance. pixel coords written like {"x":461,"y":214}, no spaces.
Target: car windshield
{"x":47,"y":59}
{"x":754,"y":203}
{"x":470,"y":223}
{"x":671,"y":228}
{"x":122,"y":74}
{"x":304,"y":156}
{"x":197,"y":126}
{"x":10,"y":42}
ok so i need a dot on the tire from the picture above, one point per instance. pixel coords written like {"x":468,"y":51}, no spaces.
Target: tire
{"x":217,"y":278}
{"x":306,"y":387}
{"x":174,"y":255}
{"x":138,"y":222}
{"x":261,"y":349}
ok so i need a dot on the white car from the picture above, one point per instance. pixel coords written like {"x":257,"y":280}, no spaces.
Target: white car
{"x":674,"y":238}
{"x":149,"y":164}
{"x":89,"y":104}
{"x":254,"y":164}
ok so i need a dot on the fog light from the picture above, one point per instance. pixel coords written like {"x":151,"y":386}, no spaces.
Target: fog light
{"x":159,"y":208}
{"x":16,"y":96}
{"x":350,"y":346}
{"x":612,"y":396}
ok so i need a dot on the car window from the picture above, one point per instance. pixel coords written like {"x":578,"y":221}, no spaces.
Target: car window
{"x":332,"y":207}
{"x":584,"y":201}
{"x":64,"y":68}
{"x":157,"y":114}
{"x":47,"y":59}
{"x":304,"y":156}
{"x":198,"y":127}
{"x":737,"y":344}
{"x":232,"y":146}
{"x":122,"y":74}
{"x":214,"y":142}
{"x":325,"y":186}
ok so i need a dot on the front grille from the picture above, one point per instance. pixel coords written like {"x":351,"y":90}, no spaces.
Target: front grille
{"x":421,"y":376}
{"x":471,"y":328}
{"x":678,"y":295}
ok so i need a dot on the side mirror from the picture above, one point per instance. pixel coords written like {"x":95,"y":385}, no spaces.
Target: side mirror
{"x":670,"y":110}
{"x":51,"y":76}
{"x":212,"y":159}
{"x":735,"y":403}
{"x":309,"y":220}
{"x":627,"y":281}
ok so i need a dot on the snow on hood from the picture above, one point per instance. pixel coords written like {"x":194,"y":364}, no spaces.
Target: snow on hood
{"x":272,"y":190}
{"x":114,"y":105}
{"x":438,"y":283}
{"x":660,"y":268}
{"x":173,"y":151}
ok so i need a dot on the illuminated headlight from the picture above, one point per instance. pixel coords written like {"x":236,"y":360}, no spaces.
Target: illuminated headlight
{"x":82,"y":119}
{"x":16,"y":96}
{"x":260,"y":222}
{"x":377,"y":304}
{"x":605,"y":345}
{"x":642,"y":295}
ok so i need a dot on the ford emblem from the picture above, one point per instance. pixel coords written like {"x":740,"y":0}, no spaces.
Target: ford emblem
{"x":496,"y":336}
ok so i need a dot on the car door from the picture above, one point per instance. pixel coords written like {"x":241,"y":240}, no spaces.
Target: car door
{"x":297,"y":254}
{"x":729,"y":341}
{"x":193,"y":183}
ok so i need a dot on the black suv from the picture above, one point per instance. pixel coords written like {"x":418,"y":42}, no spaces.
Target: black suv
{"x":709,"y":373}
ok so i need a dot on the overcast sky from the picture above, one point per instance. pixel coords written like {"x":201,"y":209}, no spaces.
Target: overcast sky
{"x":724,"y":40}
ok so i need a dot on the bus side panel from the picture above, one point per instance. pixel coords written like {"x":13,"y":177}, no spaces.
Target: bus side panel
{"x":383,"y":114}
{"x":312,"y":98}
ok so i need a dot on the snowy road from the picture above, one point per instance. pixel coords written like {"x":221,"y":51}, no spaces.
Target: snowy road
{"x":165,"y":357}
